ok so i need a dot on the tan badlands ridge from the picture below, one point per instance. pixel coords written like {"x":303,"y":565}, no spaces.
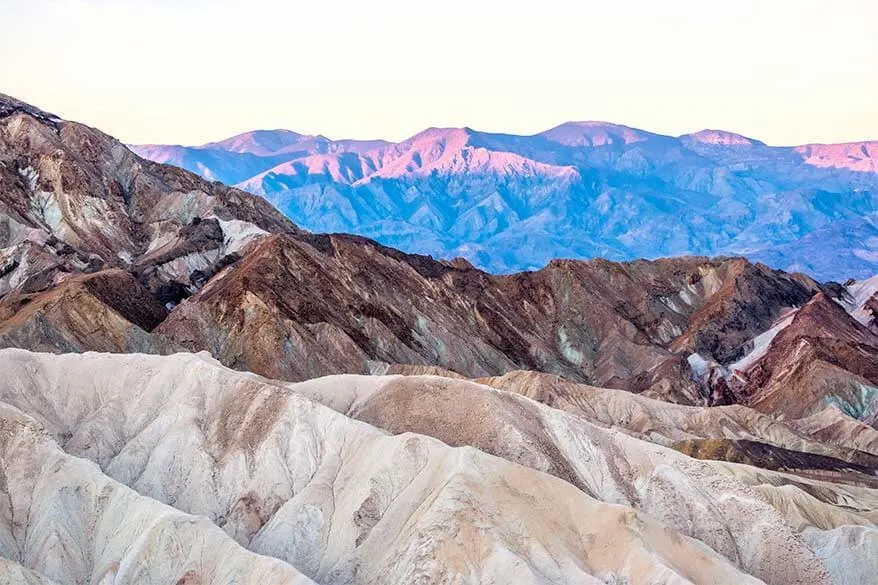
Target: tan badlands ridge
{"x":687,"y":420}
{"x":91,"y":444}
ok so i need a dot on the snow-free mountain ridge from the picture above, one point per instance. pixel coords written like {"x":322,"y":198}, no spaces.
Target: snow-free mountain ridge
{"x":580,"y":190}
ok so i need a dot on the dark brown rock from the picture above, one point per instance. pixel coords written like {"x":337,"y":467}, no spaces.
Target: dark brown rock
{"x":824,"y":357}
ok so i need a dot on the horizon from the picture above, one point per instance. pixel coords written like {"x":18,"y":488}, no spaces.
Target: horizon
{"x":489,"y":132}
{"x":788,"y":74}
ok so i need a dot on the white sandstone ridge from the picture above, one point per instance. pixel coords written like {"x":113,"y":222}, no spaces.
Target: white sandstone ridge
{"x":343,"y":502}
{"x":664,"y":423}
{"x":288,"y":478}
{"x":692,"y":497}
{"x":64,"y":521}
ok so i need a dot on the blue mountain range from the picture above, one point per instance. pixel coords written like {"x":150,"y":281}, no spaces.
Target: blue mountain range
{"x":583,"y":189}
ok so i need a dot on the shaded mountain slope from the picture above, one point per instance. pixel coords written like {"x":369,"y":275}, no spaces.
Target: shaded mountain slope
{"x":104,"y":311}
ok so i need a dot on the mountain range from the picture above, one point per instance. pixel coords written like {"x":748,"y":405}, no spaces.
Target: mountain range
{"x":509,"y":203}
{"x":197,"y":391}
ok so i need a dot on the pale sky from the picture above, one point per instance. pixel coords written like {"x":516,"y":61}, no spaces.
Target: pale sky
{"x":191,"y":71}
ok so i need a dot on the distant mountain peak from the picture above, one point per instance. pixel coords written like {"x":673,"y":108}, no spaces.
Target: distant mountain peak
{"x":442,"y":133}
{"x":592,"y":133}
{"x":461,"y":150}
{"x":581,"y":189}
{"x":855,"y":156}
{"x":722,"y":138}
{"x":596,"y":124}
{"x":261,"y":142}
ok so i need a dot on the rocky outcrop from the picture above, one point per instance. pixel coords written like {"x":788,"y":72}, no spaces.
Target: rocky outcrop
{"x":212,"y":268}
{"x":105,"y":311}
{"x":73,"y":199}
{"x":340,"y":303}
{"x":823,"y":358}
{"x":245,"y":284}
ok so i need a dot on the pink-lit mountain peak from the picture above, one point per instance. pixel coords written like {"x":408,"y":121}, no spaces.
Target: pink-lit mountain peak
{"x":447,"y":151}
{"x":440,"y":137}
{"x":855,"y":156}
{"x":591,"y":133}
{"x":459,"y":150}
{"x":247,"y":159}
{"x":722,"y":138}
{"x":596,"y":188}
{"x":262,"y":142}
{"x":343,"y":168}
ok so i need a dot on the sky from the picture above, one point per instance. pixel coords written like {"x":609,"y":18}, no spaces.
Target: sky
{"x":192,"y":71}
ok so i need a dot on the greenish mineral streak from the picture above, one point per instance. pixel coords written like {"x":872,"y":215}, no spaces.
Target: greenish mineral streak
{"x":863,"y":397}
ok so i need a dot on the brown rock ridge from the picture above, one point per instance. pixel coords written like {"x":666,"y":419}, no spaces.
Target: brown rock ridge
{"x":779,"y":459}
{"x":73,"y":199}
{"x":105,"y":311}
{"x":823,"y":358}
{"x":299,"y":307}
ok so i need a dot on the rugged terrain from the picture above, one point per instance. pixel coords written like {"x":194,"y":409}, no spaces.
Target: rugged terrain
{"x":582,"y":189}
{"x":340,"y":412}
{"x":106,"y":251}
{"x":548,"y":496}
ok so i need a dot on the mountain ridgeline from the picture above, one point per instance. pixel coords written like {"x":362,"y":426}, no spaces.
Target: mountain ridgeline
{"x":103,"y":250}
{"x":336,"y":411}
{"x":583,"y":189}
